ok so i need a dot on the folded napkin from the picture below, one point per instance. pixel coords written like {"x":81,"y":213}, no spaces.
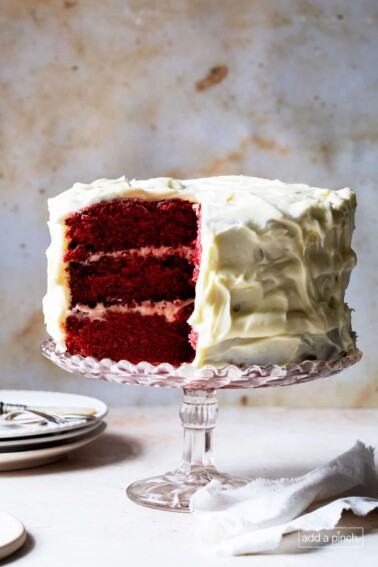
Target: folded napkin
{"x":254,"y":518}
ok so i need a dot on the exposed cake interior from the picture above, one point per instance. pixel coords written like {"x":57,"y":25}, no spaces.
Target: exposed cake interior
{"x":131,"y":266}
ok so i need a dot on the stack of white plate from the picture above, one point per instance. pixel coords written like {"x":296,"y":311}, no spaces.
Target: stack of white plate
{"x":27,"y":441}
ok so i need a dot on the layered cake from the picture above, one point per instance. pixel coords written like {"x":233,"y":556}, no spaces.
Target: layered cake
{"x":223,"y":270}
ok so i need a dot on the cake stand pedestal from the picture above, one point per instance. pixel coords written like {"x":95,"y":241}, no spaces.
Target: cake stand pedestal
{"x":173,"y":490}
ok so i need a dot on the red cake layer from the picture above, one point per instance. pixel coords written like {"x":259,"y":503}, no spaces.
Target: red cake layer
{"x":119,"y":280}
{"x":122,"y":224}
{"x":99,"y":277}
{"x":131,"y":336}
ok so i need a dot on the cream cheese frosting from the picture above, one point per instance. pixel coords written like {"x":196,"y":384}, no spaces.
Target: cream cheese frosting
{"x":275,"y":263}
{"x":145,"y":251}
{"x":147,"y":308}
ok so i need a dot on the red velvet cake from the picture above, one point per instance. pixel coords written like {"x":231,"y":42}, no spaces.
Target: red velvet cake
{"x":127,"y":258}
{"x":222,"y":270}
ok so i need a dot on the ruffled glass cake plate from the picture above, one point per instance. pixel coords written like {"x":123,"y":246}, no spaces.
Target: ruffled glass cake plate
{"x":198,"y":412}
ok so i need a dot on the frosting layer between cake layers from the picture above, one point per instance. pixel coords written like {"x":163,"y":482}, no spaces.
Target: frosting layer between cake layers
{"x":275,"y":263}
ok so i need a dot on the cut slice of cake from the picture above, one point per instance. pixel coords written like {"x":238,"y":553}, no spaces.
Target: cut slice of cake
{"x":216,"y":271}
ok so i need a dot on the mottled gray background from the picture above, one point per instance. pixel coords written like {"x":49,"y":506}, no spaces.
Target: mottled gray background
{"x":185,"y":88}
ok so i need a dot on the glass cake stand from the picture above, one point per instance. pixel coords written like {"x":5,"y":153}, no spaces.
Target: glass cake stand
{"x":198,"y":413}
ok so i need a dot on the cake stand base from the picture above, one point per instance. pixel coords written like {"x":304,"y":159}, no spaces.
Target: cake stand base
{"x":173,"y":490}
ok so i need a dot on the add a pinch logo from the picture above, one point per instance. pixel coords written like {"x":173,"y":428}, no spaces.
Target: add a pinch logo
{"x":344,"y":537}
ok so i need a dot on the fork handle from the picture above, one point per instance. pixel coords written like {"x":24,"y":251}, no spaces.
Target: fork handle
{"x":6,"y":408}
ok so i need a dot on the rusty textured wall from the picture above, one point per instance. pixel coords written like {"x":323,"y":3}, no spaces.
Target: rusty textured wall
{"x":145,"y":88}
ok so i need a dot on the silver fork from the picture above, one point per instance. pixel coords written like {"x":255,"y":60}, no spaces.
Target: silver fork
{"x":62,"y":411}
{"x":46,"y":415}
{"x":10,"y":411}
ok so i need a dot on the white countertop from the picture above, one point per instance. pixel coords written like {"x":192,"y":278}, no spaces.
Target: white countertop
{"x":76,"y":512}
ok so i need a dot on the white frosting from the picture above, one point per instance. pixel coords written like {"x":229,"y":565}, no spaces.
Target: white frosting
{"x":145,"y":251}
{"x":276,"y":261}
{"x":167,"y":309}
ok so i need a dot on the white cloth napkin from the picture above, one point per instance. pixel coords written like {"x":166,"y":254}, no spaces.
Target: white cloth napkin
{"x":253,"y":518}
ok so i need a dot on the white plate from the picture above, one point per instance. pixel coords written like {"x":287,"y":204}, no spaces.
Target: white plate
{"x":53,"y":438}
{"x":48,"y":399}
{"x":12,"y":534}
{"x":27,"y":459}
